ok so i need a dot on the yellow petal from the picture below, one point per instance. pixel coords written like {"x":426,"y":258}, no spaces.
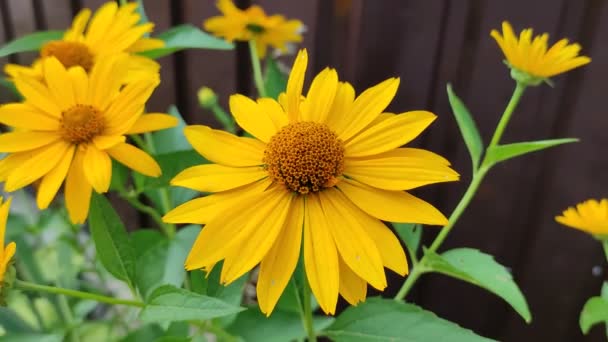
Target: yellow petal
{"x":106,"y":80}
{"x":37,"y":95}
{"x":393,"y":256}
{"x":339,"y":116}
{"x":22,"y":115}
{"x":26,"y":140}
{"x":224,"y":148}
{"x":295,"y":84}
{"x":145,"y":44}
{"x":415,"y":155}
{"x":58,"y":82}
{"x":249,"y":116}
{"x":78,"y":25}
{"x":12,"y":161}
{"x":97,"y":167}
{"x":352,"y":287}
{"x":280,"y":262}
{"x":4,"y":209}
{"x":389,"y":134}
{"x":104,"y":142}
{"x":77,"y":190}
{"x":391,"y":206}
{"x":214,"y":177}
{"x":368,"y":106}
{"x":41,"y":162}
{"x":320,"y":96}
{"x":355,"y":246}
{"x":101,"y":22}
{"x":152,"y":122}
{"x":274,"y":111}
{"x":259,"y":241}
{"x":320,"y":256}
{"x":80,"y":83}
{"x":52,"y":181}
{"x":135,"y":159}
{"x":128,"y":106}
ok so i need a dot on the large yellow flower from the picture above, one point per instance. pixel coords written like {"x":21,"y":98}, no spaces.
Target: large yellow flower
{"x":6,"y":253}
{"x":69,"y":126}
{"x":320,"y":171}
{"x":112,"y":29}
{"x":532,"y":57}
{"x":252,"y":23}
{"x":590,"y":216}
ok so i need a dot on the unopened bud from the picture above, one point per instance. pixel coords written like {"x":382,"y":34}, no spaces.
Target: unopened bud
{"x":206,"y":97}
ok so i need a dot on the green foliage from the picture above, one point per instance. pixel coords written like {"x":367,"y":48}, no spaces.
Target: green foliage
{"x":171,"y":139}
{"x":30,"y":42}
{"x":380,"y":319}
{"x":169,"y":303}
{"x":467,"y":126}
{"x":410,"y":234}
{"x":595,"y":311}
{"x":499,"y":153}
{"x":112,"y":243}
{"x":186,"y":37}
{"x":480,"y":269}
{"x":275,"y":81}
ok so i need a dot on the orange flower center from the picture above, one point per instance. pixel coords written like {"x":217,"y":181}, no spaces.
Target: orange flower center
{"x":305,"y":156}
{"x":81,"y":123}
{"x":69,"y":53}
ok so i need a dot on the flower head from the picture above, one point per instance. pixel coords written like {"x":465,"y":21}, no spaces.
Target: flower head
{"x":253,"y":23}
{"x":529,"y":58}
{"x":321,"y":172}
{"x":70,"y":125}
{"x":590,"y":216}
{"x":6,"y":253}
{"x":112,"y":29}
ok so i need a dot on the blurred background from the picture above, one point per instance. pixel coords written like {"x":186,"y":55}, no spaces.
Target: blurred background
{"x":428,"y":44}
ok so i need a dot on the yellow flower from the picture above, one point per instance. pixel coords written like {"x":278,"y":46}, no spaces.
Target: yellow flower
{"x":6,"y":253}
{"x":590,"y":216}
{"x":112,"y":29}
{"x":325,"y":168}
{"x":531,"y":56}
{"x":252,"y":23}
{"x":68,"y":127}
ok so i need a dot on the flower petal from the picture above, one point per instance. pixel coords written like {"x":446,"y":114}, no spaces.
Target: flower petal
{"x":295,"y":83}
{"x":135,"y":159}
{"x":391,"y":206}
{"x":77,"y":190}
{"x":274,"y":111}
{"x":215,"y":178}
{"x":224,"y":148}
{"x":320,"y":255}
{"x":393,"y":256}
{"x":320,"y":96}
{"x":128,"y":106}
{"x":37,"y":94}
{"x":280,"y":262}
{"x":339,"y":116}
{"x":352,"y":287}
{"x":104,"y":142}
{"x":80,"y":83}
{"x":59,"y":83}
{"x":248,"y":115}
{"x":97,"y":167}
{"x":152,"y":122}
{"x":389,"y":134}
{"x":4,"y":210}
{"x":41,"y":161}
{"x":26,"y":140}
{"x":52,"y":181}
{"x":22,"y":115}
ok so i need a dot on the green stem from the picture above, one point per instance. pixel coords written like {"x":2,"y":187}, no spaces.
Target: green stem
{"x":151,"y":211}
{"x":506,"y":116}
{"x":26,"y":286}
{"x":226,"y":120}
{"x":307,"y":312}
{"x":257,"y":69}
{"x":69,"y":318}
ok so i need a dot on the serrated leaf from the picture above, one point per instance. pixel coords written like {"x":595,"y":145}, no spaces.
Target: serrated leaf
{"x":112,"y":242}
{"x":467,"y":127}
{"x":275,"y":81}
{"x":410,"y":234}
{"x":379,"y":319}
{"x":30,"y":42}
{"x":186,"y":37}
{"x":169,"y":303}
{"x":595,"y":311}
{"x":499,"y":153}
{"x":482,"y":270}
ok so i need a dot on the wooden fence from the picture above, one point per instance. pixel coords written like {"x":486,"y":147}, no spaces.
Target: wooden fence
{"x":429,"y":43}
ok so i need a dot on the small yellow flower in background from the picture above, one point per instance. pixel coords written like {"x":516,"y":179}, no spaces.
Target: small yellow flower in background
{"x":530,"y":58}
{"x":590,"y":216}
{"x":253,"y":23}
{"x":325,"y":168}
{"x":6,"y":253}
{"x":112,"y":29}
{"x":70,"y":124}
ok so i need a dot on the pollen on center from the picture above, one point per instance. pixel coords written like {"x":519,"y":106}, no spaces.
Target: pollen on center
{"x":305,"y":157}
{"x":69,"y":53}
{"x":81,"y":123}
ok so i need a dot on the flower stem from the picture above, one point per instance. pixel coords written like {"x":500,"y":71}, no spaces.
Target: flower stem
{"x":27,"y":286}
{"x":257,"y":69}
{"x":307,"y":312}
{"x":478,"y":176}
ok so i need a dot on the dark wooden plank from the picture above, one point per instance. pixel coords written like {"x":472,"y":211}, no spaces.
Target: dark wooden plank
{"x":23,"y":22}
{"x":57,"y":14}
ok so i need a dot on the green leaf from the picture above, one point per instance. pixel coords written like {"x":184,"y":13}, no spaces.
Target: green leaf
{"x":112,"y":243}
{"x":379,"y":319}
{"x":500,"y":153}
{"x":120,"y":176}
{"x":252,"y":325}
{"x":169,"y":303}
{"x":595,"y":311}
{"x":171,"y":164}
{"x":10,"y":85}
{"x":482,"y":270}
{"x":467,"y":126}
{"x":186,"y":37}
{"x":149,"y":332}
{"x":410,"y":234}
{"x":30,"y":42}
{"x":171,"y":139}
{"x":33,"y":337}
{"x":11,"y":322}
{"x":275,"y":81}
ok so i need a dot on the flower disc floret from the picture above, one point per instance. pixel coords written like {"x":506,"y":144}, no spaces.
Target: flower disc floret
{"x":69,"y":53}
{"x":81,"y":123}
{"x":305,"y":157}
